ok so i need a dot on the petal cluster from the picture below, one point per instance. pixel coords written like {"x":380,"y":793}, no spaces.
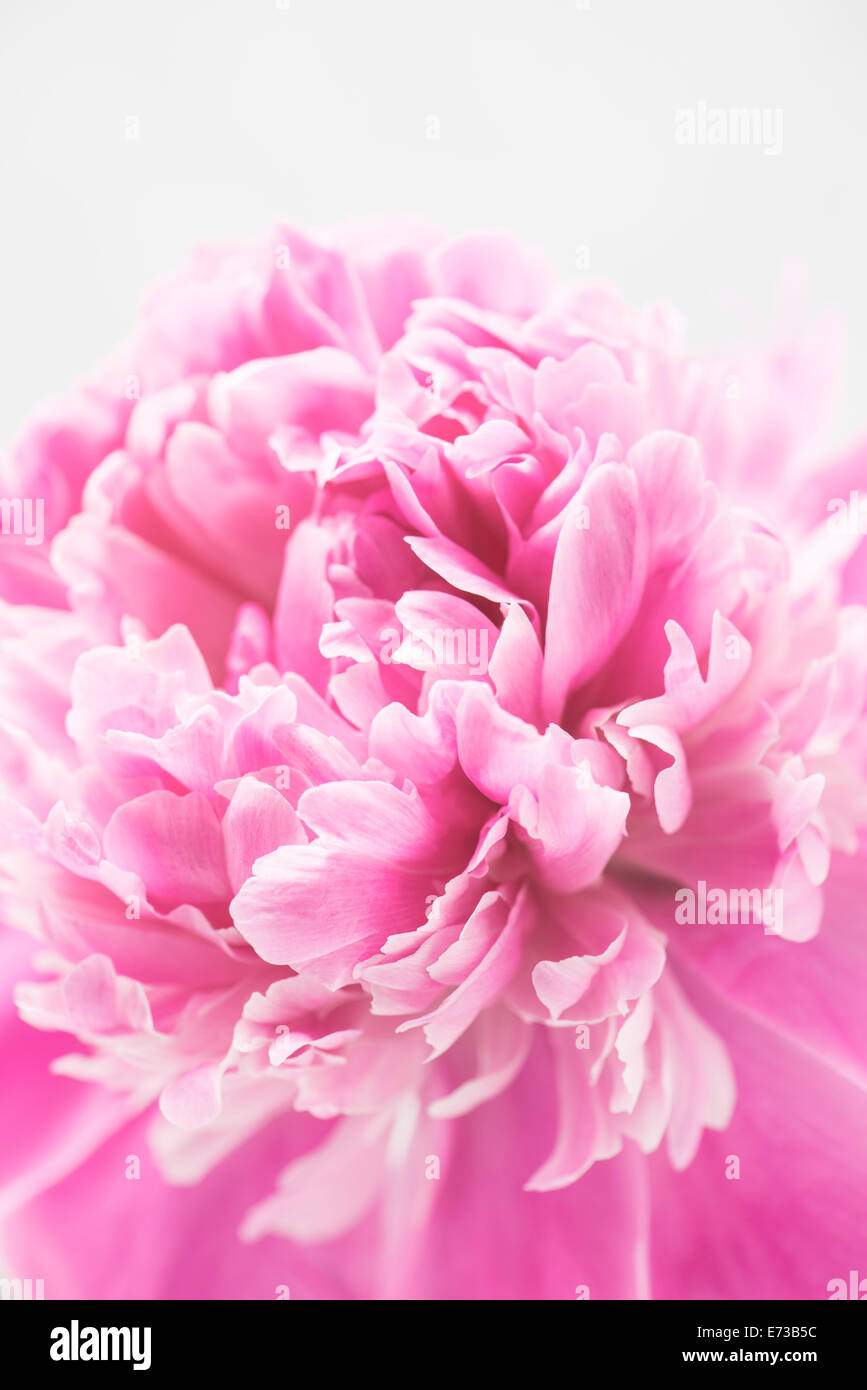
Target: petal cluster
{"x":413,"y":637}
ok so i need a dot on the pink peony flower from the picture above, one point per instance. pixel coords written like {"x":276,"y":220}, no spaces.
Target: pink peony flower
{"x":434,"y":754}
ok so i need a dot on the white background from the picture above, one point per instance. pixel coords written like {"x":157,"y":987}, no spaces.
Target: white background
{"x":556,"y":120}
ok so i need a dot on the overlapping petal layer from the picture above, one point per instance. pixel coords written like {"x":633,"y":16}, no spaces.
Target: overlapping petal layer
{"x":434,"y":757}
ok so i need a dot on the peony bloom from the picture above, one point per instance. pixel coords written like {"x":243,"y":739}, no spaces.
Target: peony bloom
{"x":433,"y":744}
